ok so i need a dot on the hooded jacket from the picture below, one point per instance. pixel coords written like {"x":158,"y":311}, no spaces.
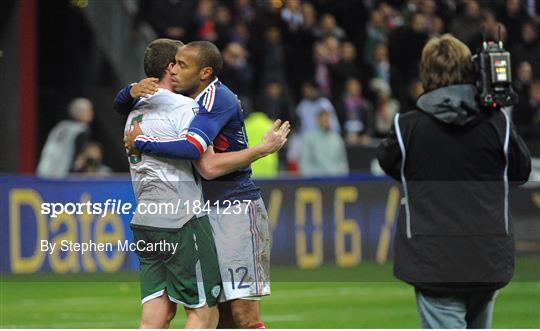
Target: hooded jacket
{"x":456,"y":163}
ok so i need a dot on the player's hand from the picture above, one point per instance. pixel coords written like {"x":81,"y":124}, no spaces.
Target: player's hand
{"x":274,"y":139}
{"x":129,"y":139}
{"x":144,"y":88}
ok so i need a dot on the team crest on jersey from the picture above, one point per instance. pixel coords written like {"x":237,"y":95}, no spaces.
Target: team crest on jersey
{"x":216,"y":290}
{"x":195,"y":110}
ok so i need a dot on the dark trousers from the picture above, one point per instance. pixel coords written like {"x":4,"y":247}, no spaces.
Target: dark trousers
{"x":472,"y":310}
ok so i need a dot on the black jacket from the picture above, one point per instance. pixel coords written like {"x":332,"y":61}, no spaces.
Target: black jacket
{"x":456,"y":163}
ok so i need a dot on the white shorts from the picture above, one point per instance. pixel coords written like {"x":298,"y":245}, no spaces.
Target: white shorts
{"x":243,"y":249}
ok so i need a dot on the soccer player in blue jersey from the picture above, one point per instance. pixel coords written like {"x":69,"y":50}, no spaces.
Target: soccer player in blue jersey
{"x":237,"y":213}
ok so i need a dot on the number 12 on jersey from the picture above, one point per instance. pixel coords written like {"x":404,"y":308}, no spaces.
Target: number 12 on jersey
{"x":241,"y":273}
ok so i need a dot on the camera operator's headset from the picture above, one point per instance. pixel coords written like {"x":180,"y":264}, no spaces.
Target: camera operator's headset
{"x":492,"y":66}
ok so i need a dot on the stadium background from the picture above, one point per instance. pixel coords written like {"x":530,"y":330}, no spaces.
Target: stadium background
{"x":332,"y":236}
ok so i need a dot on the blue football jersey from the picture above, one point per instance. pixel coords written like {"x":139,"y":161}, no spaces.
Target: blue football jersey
{"x":220,"y":122}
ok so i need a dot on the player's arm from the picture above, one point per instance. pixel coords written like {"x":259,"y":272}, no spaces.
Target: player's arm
{"x":127,"y":97}
{"x":194,"y":144}
{"x":188,"y":147}
{"x":181,"y":148}
{"x":203,"y":129}
{"x":212,"y":165}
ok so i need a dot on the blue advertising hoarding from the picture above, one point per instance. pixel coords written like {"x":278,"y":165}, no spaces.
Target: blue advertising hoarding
{"x":313,"y":222}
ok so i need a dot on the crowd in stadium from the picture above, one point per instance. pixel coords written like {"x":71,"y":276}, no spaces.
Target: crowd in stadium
{"x":356,"y":60}
{"x":362,"y":55}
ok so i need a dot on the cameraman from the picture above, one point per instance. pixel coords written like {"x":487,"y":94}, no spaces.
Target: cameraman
{"x":454,"y":241}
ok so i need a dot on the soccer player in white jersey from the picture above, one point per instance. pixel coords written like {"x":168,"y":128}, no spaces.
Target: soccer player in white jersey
{"x":188,"y":274}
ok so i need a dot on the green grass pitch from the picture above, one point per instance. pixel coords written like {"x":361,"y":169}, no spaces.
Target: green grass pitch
{"x":329,"y":297}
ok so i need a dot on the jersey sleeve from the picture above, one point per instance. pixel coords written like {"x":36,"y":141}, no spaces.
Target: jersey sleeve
{"x":180,"y":148}
{"x":204,"y":128}
{"x":209,"y":121}
{"x":123,"y":102}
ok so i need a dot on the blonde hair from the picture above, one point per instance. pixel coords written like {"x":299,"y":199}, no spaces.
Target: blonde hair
{"x":445,"y":61}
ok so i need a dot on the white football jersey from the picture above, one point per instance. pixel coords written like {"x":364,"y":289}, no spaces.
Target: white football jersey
{"x":165,"y":189}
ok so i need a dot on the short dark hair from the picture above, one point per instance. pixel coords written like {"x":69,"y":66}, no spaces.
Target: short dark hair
{"x":209,"y":55}
{"x":158,"y":55}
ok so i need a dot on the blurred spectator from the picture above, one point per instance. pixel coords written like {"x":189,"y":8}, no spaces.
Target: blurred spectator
{"x":392,"y":18}
{"x":273,"y":56}
{"x":309,"y":107}
{"x":349,"y":58}
{"x":275,"y":103}
{"x":522,"y":79}
{"x":512,"y":14}
{"x":309,"y":18}
{"x":348,"y":13}
{"x":350,"y":16}
{"x":90,"y":161}
{"x":428,"y":8}
{"x":326,"y":55}
{"x":380,"y":65}
{"x":533,"y":10}
{"x":466,"y":26}
{"x":526,"y":115}
{"x":345,"y":68}
{"x":66,"y":140}
{"x":204,"y":21}
{"x":240,"y":34}
{"x":256,"y":126}
{"x":328,"y":28}
{"x":356,"y":112}
{"x":323,"y":151}
{"x":437,"y":27}
{"x":292,"y":15}
{"x":377,"y":33}
{"x":405,"y":47}
{"x":237,"y":73}
{"x":269,"y":14}
{"x":245,"y":10}
{"x":385,"y":109}
{"x":169,"y":18}
{"x":223,"y":26}
{"x":410,"y":7}
{"x":300,"y":52}
{"x":381,"y":69}
{"x":487,"y":19}
{"x":527,"y":48}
